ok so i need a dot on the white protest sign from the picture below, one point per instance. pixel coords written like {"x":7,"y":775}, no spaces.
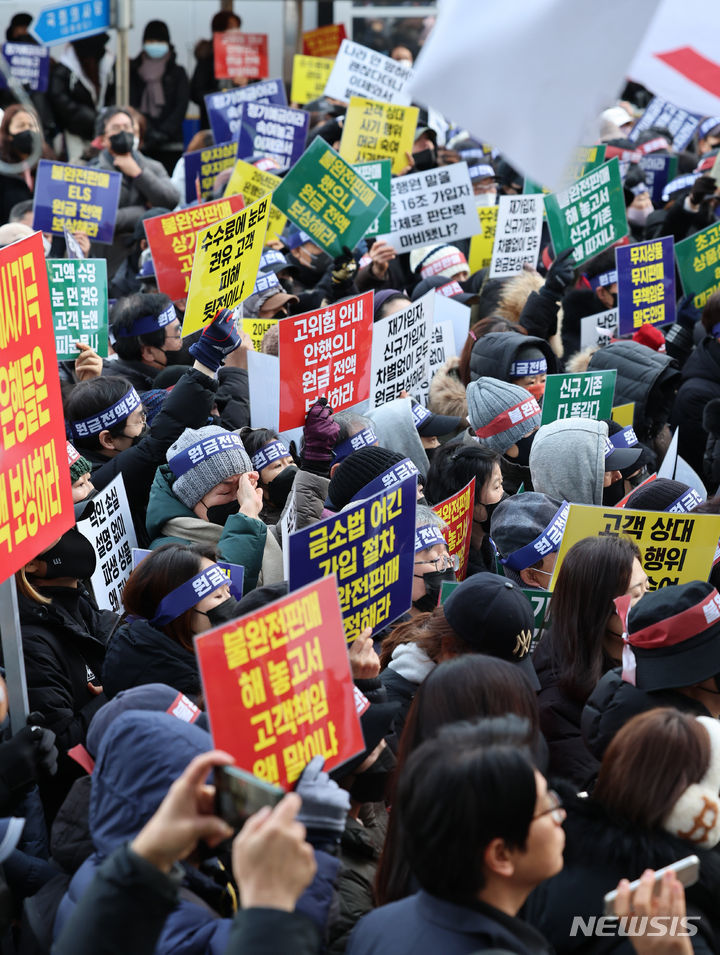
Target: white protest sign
{"x":517,"y":235}
{"x":288,"y":526}
{"x":442,"y":347}
{"x":110,"y":530}
{"x":447,"y":309}
{"x":434,"y":207}
{"x":598,"y":329}
{"x":264,"y":389}
{"x":360,"y":71}
{"x":401,"y":351}
{"x":675,"y":468}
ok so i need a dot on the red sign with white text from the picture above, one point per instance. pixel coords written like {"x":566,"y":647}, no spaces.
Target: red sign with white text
{"x":172,"y":241}
{"x":240,"y":54}
{"x":278,"y":685}
{"x":325,"y":41}
{"x":35,"y":494}
{"x":457,"y":512}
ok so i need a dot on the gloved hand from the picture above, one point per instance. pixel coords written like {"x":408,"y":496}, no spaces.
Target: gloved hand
{"x":561,"y":273}
{"x":703,"y":188}
{"x":344,"y":267}
{"x":320,"y":432}
{"x":219,"y":339}
{"x":324,"y":804}
{"x":26,"y":755}
{"x":687,"y":315}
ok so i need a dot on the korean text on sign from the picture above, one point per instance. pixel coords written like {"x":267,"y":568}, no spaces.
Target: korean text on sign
{"x":660,"y":114}
{"x":370,"y":547}
{"x":325,"y":353}
{"x":481,"y":245}
{"x":360,"y":71}
{"x":278,"y":686}
{"x":35,"y":495}
{"x":401,"y":351}
{"x":378,"y":175}
{"x":267,"y":129}
{"x":79,"y":301}
{"x":29,"y":65}
{"x":590,"y":214}
{"x":240,"y":54}
{"x":227,"y":257}
{"x":646,"y":284}
{"x":698,"y":259}
{"x":517,"y":235}
{"x":224,"y":108}
{"x":598,"y":329}
{"x":172,"y":241}
{"x":585,"y":159}
{"x":309,"y":76}
{"x":588,"y":394}
{"x":253,"y":183}
{"x":374,"y":130}
{"x":675,"y":548}
{"x":76,"y":198}
{"x":203,"y":165}
{"x":325,"y":41}
{"x":457,"y":512}
{"x":323,"y":195}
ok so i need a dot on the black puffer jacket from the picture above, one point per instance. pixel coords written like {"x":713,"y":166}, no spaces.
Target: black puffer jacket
{"x":599,"y":851}
{"x":139,"y":653}
{"x":700,"y":384}
{"x":577,"y":304}
{"x":493,"y":354}
{"x":711,"y":460}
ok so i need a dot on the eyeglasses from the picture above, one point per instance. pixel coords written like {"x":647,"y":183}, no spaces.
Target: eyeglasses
{"x":445,"y":562}
{"x":555,"y":809}
{"x":176,"y":337}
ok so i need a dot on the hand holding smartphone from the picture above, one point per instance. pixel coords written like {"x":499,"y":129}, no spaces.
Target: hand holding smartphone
{"x":239,"y":794}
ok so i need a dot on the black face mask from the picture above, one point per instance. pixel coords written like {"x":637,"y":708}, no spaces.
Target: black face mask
{"x":180,"y":357}
{"x":523,"y":455}
{"x":23,"y":142}
{"x":489,"y":508}
{"x":136,"y":438}
{"x":121,"y":143}
{"x":224,"y":612}
{"x":613,"y":494}
{"x":280,"y":486}
{"x":320,"y":261}
{"x":219,"y":513}
{"x":433,"y":583}
{"x":73,"y":556}
{"x":371,"y":785}
{"x":289,"y":285}
{"x":425,"y":159}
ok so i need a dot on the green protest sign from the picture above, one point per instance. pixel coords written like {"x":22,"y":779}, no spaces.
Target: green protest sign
{"x":590,"y":214}
{"x":378,"y":174}
{"x":588,"y":394}
{"x":327,"y":199}
{"x":698,"y":260}
{"x":79,"y":302}
{"x":446,"y":588}
{"x":540,"y":602}
{"x":585,"y":159}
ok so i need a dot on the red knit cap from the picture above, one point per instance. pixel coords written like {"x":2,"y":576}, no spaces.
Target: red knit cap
{"x":651,"y":336}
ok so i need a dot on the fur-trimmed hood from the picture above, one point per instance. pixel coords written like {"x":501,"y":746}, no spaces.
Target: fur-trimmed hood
{"x":447,"y":392}
{"x":513,"y":297}
{"x":580,"y":360}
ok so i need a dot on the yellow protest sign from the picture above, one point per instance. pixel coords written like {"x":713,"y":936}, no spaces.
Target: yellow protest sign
{"x":253,"y":183}
{"x":481,"y":245}
{"x":256,"y":328}
{"x":623,"y":414}
{"x":375,"y":130}
{"x":226,"y":262}
{"x":309,"y":76}
{"x":675,"y":547}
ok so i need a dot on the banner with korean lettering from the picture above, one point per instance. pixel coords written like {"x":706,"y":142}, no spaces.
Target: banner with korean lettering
{"x":588,"y":394}
{"x":432,"y":207}
{"x":660,"y":114}
{"x":698,"y":261}
{"x":598,"y":329}
{"x":223,"y":107}
{"x":360,"y":71}
{"x":278,"y":687}
{"x":253,"y":183}
{"x":374,"y":130}
{"x":401,"y":351}
{"x":378,"y":175}
{"x":457,"y":512}
{"x":646,"y":284}
{"x":76,"y":198}
{"x":172,"y":241}
{"x":267,"y":129}
{"x":324,"y":41}
{"x":590,"y":214}
{"x":203,"y":165}
{"x":35,"y":495}
{"x":79,"y":302}
{"x":239,"y":54}
{"x":370,"y":546}
{"x":481,"y":244}
{"x":29,"y":65}
{"x":325,"y":197}
{"x":309,"y":76}
{"x":227,"y":258}
{"x":109,"y":528}
{"x":659,"y":171}
{"x":517,"y":235}
{"x":256,"y":328}
{"x":327,"y":353}
{"x":675,"y":548}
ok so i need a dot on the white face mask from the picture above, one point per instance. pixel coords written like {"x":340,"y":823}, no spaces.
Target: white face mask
{"x":485,"y":199}
{"x":47,"y":245}
{"x":136,"y":142}
{"x":638,"y":216}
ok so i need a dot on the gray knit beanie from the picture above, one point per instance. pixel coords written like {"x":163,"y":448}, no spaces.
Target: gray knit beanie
{"x":501,"y":413}
{"x":217,"y":455}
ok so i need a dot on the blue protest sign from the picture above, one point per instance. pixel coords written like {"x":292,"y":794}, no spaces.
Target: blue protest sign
{"x":203,"y":165}
{"x":76,"y":198}
{"x":659,"y":170}
{"x":29,"y":65}
{"x":71,"y":21}
{"x":661,"y":114}
{"x":646,"y":284}
{"x":370,"y":547}
{"x":225,"y":108}
{"x":267,"y":129}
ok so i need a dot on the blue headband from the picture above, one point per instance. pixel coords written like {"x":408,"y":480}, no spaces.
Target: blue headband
{"x":272,"y":257}
{"x":394,"y":475}
{"x":548,"y":542}
{"x":605,"y":278}
{"x":420,"y":414}
{"x":363,"y":439}
{"x":428,"y":536}
{"x":519,"y":369}
{"x":269,"y":454}
{"x":148,"y":323}
{"x":687,"y":502}
{"x":265,"y":281}
{"x":625,"y":438}
{"x":715,"y":330}
{"x":680,"y":182}
{"x":108,"y":418}
{"x":191,"y":592}
{"x":188,"y":458}
{"x":707,"y":126}
{"x":483,"y":171}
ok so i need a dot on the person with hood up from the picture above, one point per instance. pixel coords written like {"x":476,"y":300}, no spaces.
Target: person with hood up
{"x":395,"y":426}
{"x":159,"y":88}
{"x":527,"y":530}
{"x":510,"y":356}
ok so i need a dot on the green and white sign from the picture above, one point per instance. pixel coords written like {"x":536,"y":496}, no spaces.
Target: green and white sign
{"x":79,"y":302}
{"x":698,"y":261}
{"x":378,"y":173}
{"x":588,"y":394}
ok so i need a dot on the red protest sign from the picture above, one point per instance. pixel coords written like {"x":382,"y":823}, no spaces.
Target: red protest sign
{"x":457,"y":512}
{"x":325,"y":41}
{"x":35,"y":494}
{"x":333,"y":347}
{"x":240,"y":54}
{"x":172,"y":241}
{"x":278,"y":685}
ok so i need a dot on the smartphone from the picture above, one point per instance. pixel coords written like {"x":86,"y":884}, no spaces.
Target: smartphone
{"x":238,"y":794}
{"x":687,"y":870}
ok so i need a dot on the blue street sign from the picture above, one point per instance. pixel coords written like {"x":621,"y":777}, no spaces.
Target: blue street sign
{"x":71,"y":21}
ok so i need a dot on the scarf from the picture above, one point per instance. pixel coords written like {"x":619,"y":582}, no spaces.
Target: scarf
{"x":151,"y":73}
